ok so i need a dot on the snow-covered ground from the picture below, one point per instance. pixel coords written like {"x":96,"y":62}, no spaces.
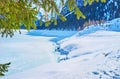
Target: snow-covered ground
{"x":30,"y":49}
{"x":93,"y":53}
{"x":26,"y":52}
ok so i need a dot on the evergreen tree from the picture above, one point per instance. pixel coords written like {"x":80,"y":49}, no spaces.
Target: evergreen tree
{"x":96,"y":11}
{"x":4,"y":68}
{"x":17,"y":13}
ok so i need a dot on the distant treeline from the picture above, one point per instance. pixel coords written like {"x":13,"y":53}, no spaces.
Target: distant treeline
{"x":96,"y":11}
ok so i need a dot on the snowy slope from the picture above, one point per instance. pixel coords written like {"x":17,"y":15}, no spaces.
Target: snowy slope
{"x":93,"y":53}
{"x":96,"y":48}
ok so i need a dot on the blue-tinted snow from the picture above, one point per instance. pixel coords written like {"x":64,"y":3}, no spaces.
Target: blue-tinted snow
{"x":93,"y":42}
{"x":25,"y":52}
{"x":57,"y":35}
{"x":30,"y":49}
{"x":113,"y":25}
{"x":96,"y":56}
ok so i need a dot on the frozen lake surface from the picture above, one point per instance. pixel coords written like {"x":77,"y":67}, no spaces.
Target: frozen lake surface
{"x":30,"y":50}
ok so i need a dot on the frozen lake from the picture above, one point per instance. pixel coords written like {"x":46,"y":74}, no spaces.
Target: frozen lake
{"x":30,"y":50}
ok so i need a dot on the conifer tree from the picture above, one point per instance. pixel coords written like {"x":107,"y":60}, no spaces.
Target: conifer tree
{"x":4,"y":68}
{"x":17,"y":13}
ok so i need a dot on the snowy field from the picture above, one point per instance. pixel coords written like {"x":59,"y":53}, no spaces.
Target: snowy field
{"x":30,"y":49}
{"x":25,"y":52}
{"x":93,"y":53}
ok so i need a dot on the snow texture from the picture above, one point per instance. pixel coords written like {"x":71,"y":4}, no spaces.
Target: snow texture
{"x":93,"y":53}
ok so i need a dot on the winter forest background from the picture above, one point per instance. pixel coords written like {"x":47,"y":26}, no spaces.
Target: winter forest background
{"x":95,"y":12}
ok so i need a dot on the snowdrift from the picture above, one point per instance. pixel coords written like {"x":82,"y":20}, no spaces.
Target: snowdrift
{"x":96,"y":48}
